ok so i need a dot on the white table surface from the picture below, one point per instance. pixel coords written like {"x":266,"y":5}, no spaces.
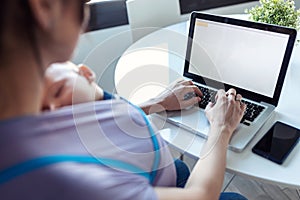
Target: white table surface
{"x":158,"y":59}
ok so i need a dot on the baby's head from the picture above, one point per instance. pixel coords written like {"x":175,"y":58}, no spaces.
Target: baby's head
{"x":67,"y":84}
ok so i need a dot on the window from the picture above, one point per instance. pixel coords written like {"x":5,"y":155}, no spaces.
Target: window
{"x":106,"y":14}
{"x":188,"y":6}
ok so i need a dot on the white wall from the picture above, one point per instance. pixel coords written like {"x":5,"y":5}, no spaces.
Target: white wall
{"x":297,"y":2}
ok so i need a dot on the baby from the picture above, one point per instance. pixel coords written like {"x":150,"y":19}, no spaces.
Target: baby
{"x":60,"y":83}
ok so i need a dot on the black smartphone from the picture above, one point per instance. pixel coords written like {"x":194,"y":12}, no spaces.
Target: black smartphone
{"x":278,"y":142}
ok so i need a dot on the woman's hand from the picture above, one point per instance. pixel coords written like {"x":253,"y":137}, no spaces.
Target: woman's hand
{"x":227,"y":112}
{"x":179,"y":95}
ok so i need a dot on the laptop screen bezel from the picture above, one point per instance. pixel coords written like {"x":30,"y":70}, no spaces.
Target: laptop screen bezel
{"x":243,"y":23}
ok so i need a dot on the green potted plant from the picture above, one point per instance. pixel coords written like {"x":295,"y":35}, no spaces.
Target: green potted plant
{"x":279,"y":12}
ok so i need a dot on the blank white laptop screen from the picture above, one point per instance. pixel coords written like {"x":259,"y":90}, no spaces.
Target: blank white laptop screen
{"x":244,"y":57}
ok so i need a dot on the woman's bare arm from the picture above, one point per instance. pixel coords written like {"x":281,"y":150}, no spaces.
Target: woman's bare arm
{"x":207,"y":177}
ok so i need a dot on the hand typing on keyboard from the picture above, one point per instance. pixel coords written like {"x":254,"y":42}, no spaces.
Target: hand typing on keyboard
{"x":179,"y":95}
{"x":251,"y":113}
{"x":227,"y":111}
{"x":185,"y":93}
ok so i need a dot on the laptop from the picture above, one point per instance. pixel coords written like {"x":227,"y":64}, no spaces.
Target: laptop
{"x":224,"y":53}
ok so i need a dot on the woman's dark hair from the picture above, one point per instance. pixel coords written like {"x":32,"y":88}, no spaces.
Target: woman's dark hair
{"x":16,"y":16}
{"x":19,"y":14}
{"x":2,"y":21}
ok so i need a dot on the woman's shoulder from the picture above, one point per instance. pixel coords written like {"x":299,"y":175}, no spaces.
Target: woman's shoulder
{"x":109,"y":115}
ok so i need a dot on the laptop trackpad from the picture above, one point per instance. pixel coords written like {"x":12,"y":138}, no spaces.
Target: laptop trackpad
{"x":193,"y":119}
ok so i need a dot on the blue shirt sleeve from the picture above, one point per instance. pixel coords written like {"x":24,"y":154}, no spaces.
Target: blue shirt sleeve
{"x":108,"y":96}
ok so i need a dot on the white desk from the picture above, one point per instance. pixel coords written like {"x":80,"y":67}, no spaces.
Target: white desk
{"x":143,"y":71}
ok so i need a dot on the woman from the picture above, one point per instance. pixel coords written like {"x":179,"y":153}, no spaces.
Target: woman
{"x":49,"y":155}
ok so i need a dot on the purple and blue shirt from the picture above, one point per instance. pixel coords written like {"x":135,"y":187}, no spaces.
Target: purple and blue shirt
{"x":98,"y":150}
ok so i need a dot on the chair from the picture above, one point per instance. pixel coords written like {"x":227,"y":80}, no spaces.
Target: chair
{"x":146,"y":16}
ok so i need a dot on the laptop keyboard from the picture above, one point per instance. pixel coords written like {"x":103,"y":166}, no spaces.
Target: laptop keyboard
{"x":251,"y":113}
{"x":208,"y":96}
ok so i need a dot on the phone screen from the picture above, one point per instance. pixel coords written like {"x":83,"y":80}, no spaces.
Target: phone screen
{"x":278,"y":142}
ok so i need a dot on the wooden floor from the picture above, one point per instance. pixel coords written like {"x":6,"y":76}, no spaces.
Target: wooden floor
{"x":252,"y":189}
{"x":256,"y":190}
